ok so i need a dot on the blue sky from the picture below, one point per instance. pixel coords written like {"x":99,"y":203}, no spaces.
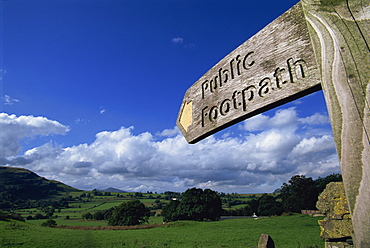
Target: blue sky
{"x":91,"y":90}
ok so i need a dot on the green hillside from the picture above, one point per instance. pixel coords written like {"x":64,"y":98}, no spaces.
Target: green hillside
{"x":20,"y":185}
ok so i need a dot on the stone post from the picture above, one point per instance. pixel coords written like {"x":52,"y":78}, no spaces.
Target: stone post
{"x":266,"y":241}
{"x":336,"y":228}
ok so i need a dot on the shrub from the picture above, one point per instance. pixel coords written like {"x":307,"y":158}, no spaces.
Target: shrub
{"x":129,"y":214}
{"x":39,"y":216}
{"x":49,"y":223}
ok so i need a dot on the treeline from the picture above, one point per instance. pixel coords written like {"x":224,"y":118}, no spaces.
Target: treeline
{"x":230,"y":200}
{"x":126,"y":214}
{"x":98,"y":215}
{"x":265,"y":205}
{"x":23,"y":204}
{"x":10,"y":216}
{"x":300,"y":193}
{"x":196,"y":204}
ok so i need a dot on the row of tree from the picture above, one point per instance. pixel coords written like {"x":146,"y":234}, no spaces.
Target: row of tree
{"x":24,"y":204}
{"x":302,"y":193}
{"x":126,"y":214}
{"x":299,"y":193}
{"x":197,"y":204}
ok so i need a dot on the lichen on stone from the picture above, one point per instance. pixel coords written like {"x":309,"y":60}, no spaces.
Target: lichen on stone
{"x":333,"y":203}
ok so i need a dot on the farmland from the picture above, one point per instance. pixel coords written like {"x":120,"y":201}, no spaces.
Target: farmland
{"x":287,"y":231}
{"x":81,"y":202}
{"x":72,"y":215}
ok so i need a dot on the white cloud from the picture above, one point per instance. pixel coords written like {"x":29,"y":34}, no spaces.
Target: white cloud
{"x":316,"y":119}
{"x":169,"y":132}
{"x":14,"y":129}
{"x":252,"y":162}
{"x":283,"y":119}
{"x":256,"y":123}
{"x":102,"y":110}
{"x":177,"y":40}
{"x":81,"y":121}
{"x":7,"y":100}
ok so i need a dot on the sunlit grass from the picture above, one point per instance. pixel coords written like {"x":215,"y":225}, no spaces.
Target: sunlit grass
{"x":287,"y":231}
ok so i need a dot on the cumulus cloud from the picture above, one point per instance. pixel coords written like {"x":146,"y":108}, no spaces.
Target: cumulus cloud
{"x":14,"y":129}
{"x":169,"y":132}
{"x":316,"y":119}
{"x":283,"y":119}
{"x":266,"y":153}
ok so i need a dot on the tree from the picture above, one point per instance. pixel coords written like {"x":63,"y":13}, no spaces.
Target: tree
{"x":39,"y":216}
{"x":49,"y":223}
{"x":254,"y":204}
{"x":107,"y":213}
{"x":49,"y":211}
{"x":321,"y":183}
{"x":269,"y":206}
{"x":169,"y":211}
{"x":244,"y":211}
{"x":87,"y":216}
{"x":195,"y":204}
{"x":99,"y":215}
{"x":299,"y":193}
{"x":129,"y":214}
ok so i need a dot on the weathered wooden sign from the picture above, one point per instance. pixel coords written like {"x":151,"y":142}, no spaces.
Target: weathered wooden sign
{"x":275,"y":66}
{"x":340,"y":34}
{"x":315,"y":43}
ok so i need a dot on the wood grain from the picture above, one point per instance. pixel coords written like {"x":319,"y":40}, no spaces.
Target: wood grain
{"x":339,"y":30}
{"x":275,"y":66}
{"x":317,"y":43}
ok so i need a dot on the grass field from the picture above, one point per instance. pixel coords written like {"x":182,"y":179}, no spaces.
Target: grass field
{"x":287,"y":231}
{"x":80,"y":222}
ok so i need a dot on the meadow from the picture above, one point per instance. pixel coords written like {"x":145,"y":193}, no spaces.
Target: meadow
{"x":287,"y":231}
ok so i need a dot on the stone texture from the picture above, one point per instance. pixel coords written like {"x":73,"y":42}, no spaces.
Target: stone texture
{"x":266,"y":241}
{"x":333,"y":203}
{"x":338,"y":245}
{"x":331,"y":229}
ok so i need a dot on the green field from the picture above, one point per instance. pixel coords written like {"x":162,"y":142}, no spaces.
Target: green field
{"x":80,"y":222}
{"x":287,"y":231}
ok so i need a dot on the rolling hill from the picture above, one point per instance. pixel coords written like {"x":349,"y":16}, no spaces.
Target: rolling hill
{"x":18,"y":185}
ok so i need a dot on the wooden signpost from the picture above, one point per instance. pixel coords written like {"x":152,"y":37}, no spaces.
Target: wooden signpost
{"x":316,"y":44}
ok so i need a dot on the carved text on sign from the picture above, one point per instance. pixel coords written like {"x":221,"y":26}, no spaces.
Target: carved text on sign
{"x":236,"y":65}
{"x":275,"y":66}
{"x":240,"y":99}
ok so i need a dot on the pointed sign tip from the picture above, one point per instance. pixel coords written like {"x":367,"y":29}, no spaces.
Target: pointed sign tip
{"x":186,"y":117}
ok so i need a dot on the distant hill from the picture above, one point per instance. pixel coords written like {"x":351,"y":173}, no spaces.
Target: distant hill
{"x":112,"y":190}
{"x":18,"y":185}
